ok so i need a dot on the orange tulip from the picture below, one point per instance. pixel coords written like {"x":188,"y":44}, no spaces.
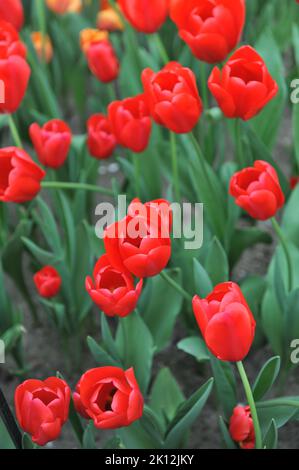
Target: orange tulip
{"x":64,"y":6}
{"x":42,"y":45}
{"x":109,"y":20}
{"x":90,"y":36}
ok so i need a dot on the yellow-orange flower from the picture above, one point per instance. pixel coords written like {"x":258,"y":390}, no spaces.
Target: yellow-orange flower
{"x":42,"y":45}
{"x":109,"y":20}
{"x":89,"y":36}
{"x":64,"y":6}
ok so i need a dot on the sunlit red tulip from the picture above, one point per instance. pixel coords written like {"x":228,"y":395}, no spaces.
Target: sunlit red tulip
{"x":61,"y":7}
{"x":110,"y":397}
{"x":257,"y":190}
{"x":101,"y":141}
{"x":20,"y":176}
{"x":47,"y":282}
{"x":10,"y":43}
{"x":226,"y":322}
{"x":51,"y":142}
{"x":12,"y":12}
{"x":139,"y":243}
{"x":244,"y":85}
{"x":42,"y":45}
{"x":113,"y":291}
{"x":42,"y":408}
{"x":241,"y":427}
{"x":211,"y":28}
{"x":172,"y":97}
{"x":147,"y":16}
{"x":130,"y":122}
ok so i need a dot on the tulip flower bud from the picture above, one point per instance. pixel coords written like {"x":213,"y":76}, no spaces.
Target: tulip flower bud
{"x":12,"y":12}
{"x":101,"y":141}
{"x":10,"y":41}
{"x":60,"y":7}
{"x":47,"y":282}
{"x":43,"y":46}
{"x":147,"y":16}
{"x":241,"y":427}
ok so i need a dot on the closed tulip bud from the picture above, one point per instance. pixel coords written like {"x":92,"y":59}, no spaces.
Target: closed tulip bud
{"x":47,"y":282}
{"x":244,"y":86}
{"x":43,"y":46}
{"x":241,"y":427}
{"x":130,"y":123}
{"x":12,"y":12}
{"x":102,"y":61}
{"x":172,"y":97}
{"x":42,"y":408}
{"x":101,"y":141}
{"x":111,"y":290}
{"x":211,"y":28}
{"x":10,"y":43}
{"x":51,"y":142}
{"x":60,"y":7}
{"x":147,"y":16}
{"x":14,"y":79}
{"x":109,"y":20}
{"x":140,"y":243}
{"x":20,"y":176}
{"x":226,"y":322}
{"x":257,"y":190}
{"x":110,"y":397}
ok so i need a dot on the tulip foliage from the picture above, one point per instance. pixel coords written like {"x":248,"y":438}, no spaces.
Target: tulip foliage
{"x":157,"y":313}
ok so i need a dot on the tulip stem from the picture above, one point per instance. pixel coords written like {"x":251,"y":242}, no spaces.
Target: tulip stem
{"x":203,"y":81}
{"x":281,"y":237}
{"x":136,"y":160}
{"x":176,"y":286}
{"x":14,"y":131}
{"x":251,"y":403}
{"x":9,"y":421}
{"x":78,"y":186}
{"x":238,"y":142}
{"x":161,"y":48}
{"x":175,"y":169}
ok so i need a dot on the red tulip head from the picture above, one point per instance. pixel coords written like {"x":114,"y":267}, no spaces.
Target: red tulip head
{"x":244,"y":86}
{"x":172,"y":97}
{"x":131,"y":123}
{"x":102,"y":61}
{"x":101,"y":141}
{"x":147,"y":16}
{"x":47,"y":282}
{"x":226,"y":322}
{"x":211,"y":28}
{"x":20,"y":176}
{"x":140,"y":243}
{"x":110,"y":397}
{"x":12,"y":12}
{"x":257,"y":190}
{"x":241,"y":427}
{"x":51,"y":142}
{"x":42,"y":408}
{"x":14,"y":78}
{"x":113,"y":291}
{"x":10,"y":43}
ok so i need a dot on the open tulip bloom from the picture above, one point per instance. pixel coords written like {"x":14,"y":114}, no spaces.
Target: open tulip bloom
{"x":149,"y":198}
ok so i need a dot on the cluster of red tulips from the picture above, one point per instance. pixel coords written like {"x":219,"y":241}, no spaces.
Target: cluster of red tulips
{"x":242,"y":86}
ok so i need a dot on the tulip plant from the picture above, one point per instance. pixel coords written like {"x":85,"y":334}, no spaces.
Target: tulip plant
{"x":169,"y":104}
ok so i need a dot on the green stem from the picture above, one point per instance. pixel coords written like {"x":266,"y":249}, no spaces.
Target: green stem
{"x":78,"y":186}
{"x":10,"y":422}
{"x":251,"y":403}
{"x":41,"y":15}
{"x":203,"y":81}
{"x":175,"y":169}
{"x":176,"y":286}
{"x":136,"y":160}
{"x":161,"y":48}
{"x":238,"y":143}
{"x":14,"y":131}
{"x":281,"y":237}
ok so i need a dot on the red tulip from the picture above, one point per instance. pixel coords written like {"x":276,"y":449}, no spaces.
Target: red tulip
{"x":110,"y":397}
{"x":225,"y":321}
{"x":244,"y":86}
{"x":211,"y":28}
{"x":10,"y":43}
{"x":294,"y":180}
{"x":42,"y":408}
{"x":20,"y":176}
{"x":172,"y":97}
{"x":147,"y":16}
{"x":111,"y":290}
{"x":102,"y":61}
{"x":47,"y":282}
{"x":14,"y":78}
{"x":241,"y":427}
{"x":101,"y":141}
{"x":257,"y":190}
{"x":131,"y":123}
{"x":51,"y":142}
{"x":139,"y":244}
{"x":12,"y":12}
